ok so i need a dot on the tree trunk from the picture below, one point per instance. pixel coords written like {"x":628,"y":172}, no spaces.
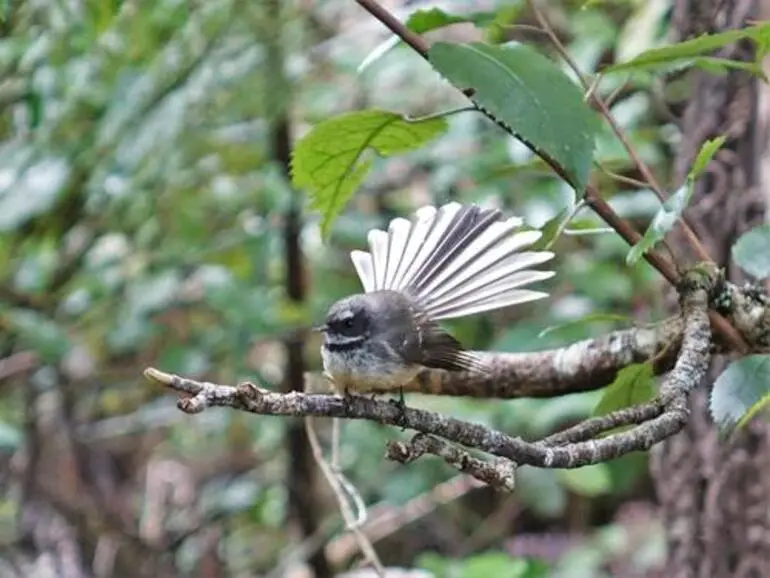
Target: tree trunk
{"x":715,"y":495}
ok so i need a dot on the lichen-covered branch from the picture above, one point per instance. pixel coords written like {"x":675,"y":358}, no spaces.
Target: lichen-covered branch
{"x":586,"y":365}
{"x":747,"y":308}
{"x":595,"y":426}
{"x":500,"y":474}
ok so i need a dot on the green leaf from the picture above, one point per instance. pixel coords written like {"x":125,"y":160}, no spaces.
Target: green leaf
{"x":751,"y":253}
{"x":663,"y":221}
{"x":718,"y":66}
{"x":552,"y":229}
{"x":587,"y":320}
{"x":421,"y":21}
{"x":633,"y":385}
{"x":33,"y":193}
{"x":674,"y":207}
{"x":528,"y":93}
{"x":39,"y":333}
{"x":707,"y":151}
{"x":740,"y":391}
{"x":327,"y":161}
{"x":689,"y":49}
{"x":11,"y":437}
{"x":589,"y":481}
{"x":493,"y":564}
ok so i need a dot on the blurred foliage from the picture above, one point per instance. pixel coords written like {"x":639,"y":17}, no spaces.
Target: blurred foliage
{"x":142,"y":209}
{"x":741,"y":391}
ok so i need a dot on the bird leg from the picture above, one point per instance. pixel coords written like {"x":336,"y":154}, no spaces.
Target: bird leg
{"x":401,"y":406}
{"x":347,"y":397}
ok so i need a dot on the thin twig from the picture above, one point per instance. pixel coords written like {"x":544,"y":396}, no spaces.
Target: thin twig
{"x":591,"y":428}
{"x":343,"y":489}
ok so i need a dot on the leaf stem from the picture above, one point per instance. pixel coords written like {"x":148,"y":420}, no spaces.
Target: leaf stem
{"x":442,"y":114}
{"x":563,"y":225}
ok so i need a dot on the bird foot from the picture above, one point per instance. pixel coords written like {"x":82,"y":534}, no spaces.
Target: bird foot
{"x":400,"y":405}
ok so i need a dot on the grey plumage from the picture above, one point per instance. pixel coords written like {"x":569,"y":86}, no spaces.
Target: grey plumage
{"x":443,"y":263}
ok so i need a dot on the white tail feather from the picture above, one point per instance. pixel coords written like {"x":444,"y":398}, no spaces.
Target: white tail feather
{"x":362,"y":261}
{"x":498,"y":302}
{"x":455,"y":261}
{"x":477,"y":290}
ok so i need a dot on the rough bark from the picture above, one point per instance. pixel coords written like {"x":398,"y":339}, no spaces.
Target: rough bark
{"x":715,"y":495}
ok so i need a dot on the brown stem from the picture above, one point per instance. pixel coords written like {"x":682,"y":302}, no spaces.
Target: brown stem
{"x":396,"y":27}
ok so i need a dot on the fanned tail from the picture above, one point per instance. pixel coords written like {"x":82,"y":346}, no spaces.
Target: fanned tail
{"x":455,"y":261}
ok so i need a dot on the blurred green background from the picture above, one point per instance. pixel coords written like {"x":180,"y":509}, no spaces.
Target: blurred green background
{"x":144,"y":203}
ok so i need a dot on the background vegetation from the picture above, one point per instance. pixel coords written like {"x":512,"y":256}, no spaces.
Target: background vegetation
{"x":147,"y":218}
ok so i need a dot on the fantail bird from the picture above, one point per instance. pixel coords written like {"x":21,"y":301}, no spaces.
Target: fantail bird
{"x":444,"y":263}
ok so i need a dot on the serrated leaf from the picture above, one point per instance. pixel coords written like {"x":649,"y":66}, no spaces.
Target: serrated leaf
{"x":701,"y":46}
{"x":327,"y":161}
{"x":740,"y":391}
{"x":663,"y":221}
{"x":633,"y":385}
{"x":587,"y":320}
{"x":589,"y":481}
{"x":707,"y":151}
{"x":751,"y":253}
{"x":530,"y":94}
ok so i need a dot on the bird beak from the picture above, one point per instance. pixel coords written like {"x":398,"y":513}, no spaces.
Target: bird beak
{"x":321,"y":328}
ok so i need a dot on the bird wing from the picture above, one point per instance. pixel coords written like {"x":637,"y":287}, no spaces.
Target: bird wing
{"x":456,"y":260}
{"x":431,"y":346}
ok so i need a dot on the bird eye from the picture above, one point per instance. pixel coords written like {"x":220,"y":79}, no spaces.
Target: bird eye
{"x":352,"y":325}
